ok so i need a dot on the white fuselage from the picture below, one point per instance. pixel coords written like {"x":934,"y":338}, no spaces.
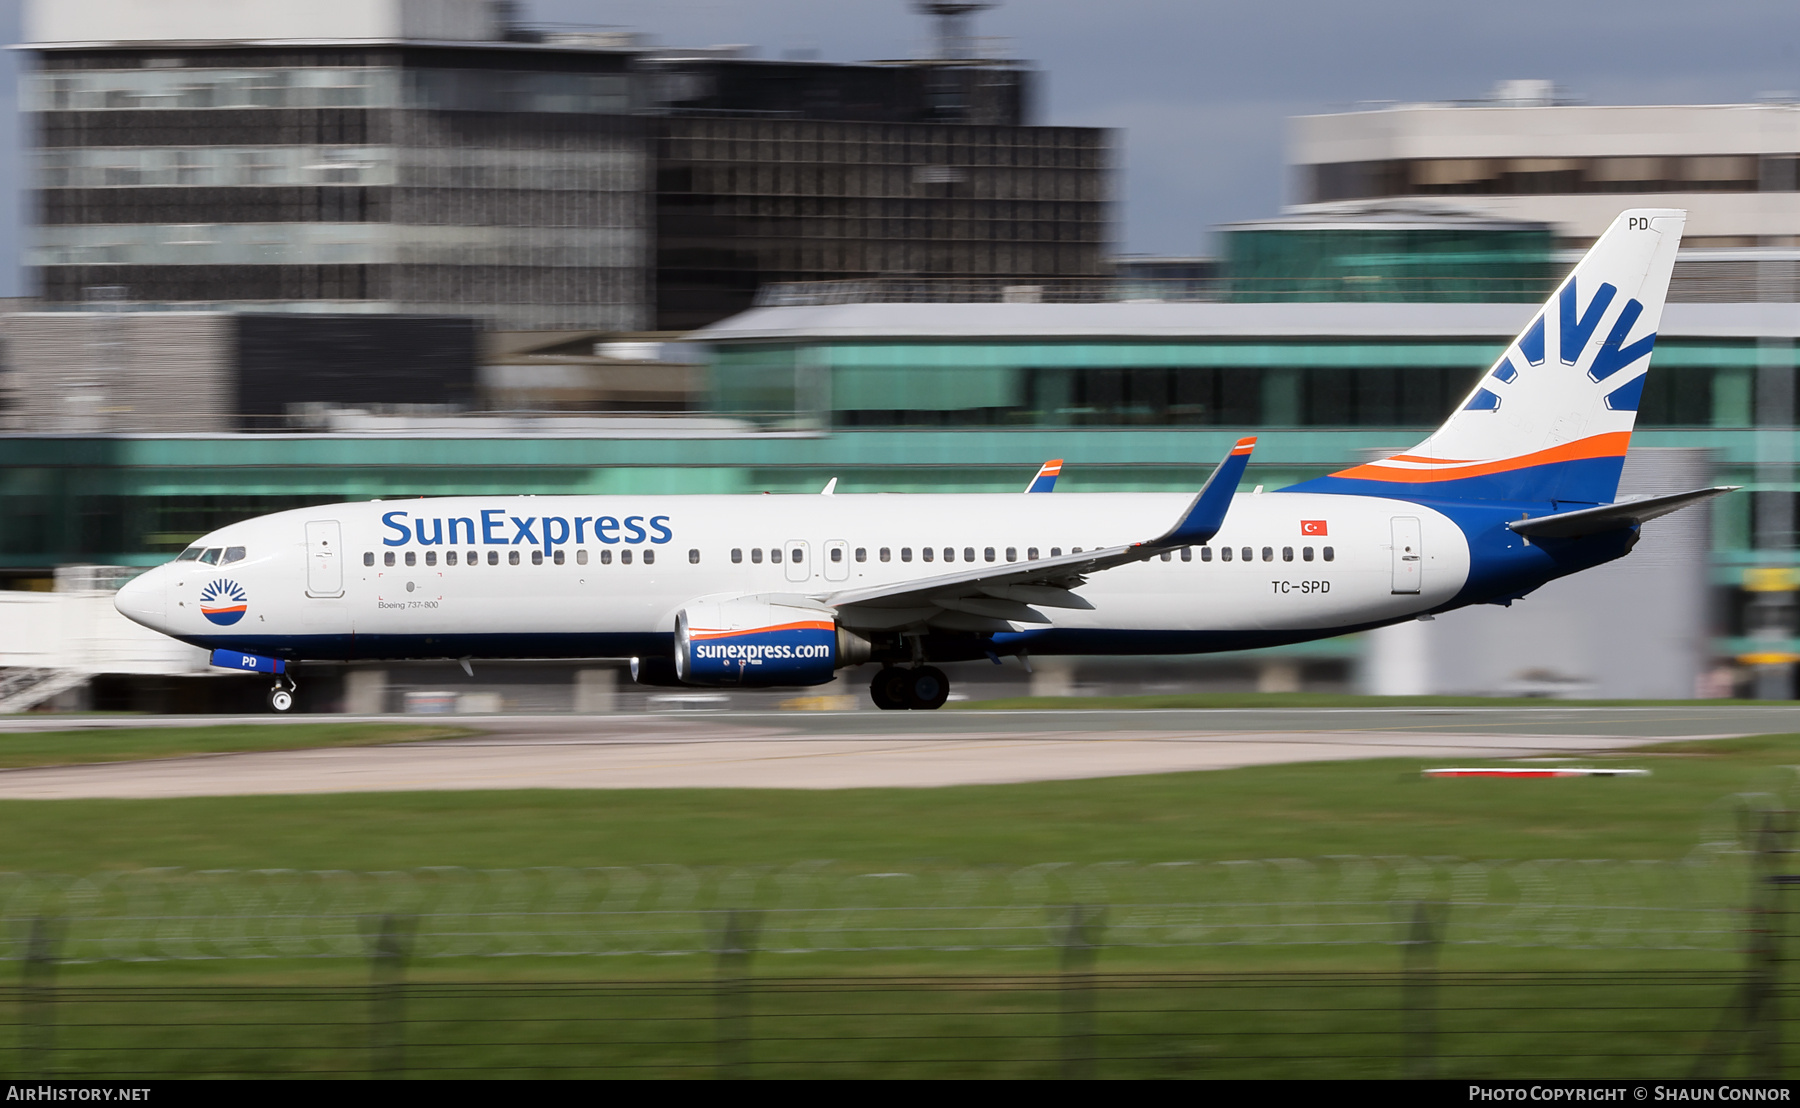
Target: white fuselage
{"x":549,"y":576}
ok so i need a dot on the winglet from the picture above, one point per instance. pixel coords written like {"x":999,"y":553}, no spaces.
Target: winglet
{"x":1206,"y":514}
{"x":830,"y":487}
{"x":1046,"y":476}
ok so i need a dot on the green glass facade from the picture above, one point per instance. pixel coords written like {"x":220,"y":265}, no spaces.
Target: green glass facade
{"x":812,"y":412}
{"x":1465,"y":264}
{"x":1414,"y":384}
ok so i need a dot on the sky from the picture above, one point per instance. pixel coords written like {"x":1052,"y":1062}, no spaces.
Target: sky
{"x":1198,"y":89}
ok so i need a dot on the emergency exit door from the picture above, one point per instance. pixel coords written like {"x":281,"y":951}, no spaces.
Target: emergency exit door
{"x":324,"y":558}
{"x":798,"y":560}
{"x":1407,"y":554}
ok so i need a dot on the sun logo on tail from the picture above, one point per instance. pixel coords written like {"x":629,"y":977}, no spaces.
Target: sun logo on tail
{"x":224,"y":602}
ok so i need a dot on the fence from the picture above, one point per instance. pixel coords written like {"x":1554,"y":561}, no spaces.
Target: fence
{"x":169,"y":915}
{"x":372,"y":950}
{"x":1644,"y":1025}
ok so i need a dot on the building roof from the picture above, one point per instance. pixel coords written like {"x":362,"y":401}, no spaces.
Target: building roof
{"x":1386,"y":215}
{"x":1171,"y":321}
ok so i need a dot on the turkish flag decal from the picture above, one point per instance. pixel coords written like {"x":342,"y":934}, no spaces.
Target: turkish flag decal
{"x":1312,"y":527}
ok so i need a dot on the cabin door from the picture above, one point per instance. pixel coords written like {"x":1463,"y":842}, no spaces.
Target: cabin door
{"x":324,"y":558}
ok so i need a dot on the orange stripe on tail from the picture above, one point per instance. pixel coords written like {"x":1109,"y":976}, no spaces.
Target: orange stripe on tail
{"x":1610,"y":445}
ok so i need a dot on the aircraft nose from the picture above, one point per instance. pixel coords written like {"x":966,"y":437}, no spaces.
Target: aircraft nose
{"x":141,"y":600}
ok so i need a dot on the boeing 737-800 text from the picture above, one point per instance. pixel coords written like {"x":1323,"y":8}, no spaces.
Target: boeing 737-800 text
{"x":1515,"y":489}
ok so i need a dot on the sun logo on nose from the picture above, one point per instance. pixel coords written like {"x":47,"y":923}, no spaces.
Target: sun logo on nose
{"x":224,"y":602}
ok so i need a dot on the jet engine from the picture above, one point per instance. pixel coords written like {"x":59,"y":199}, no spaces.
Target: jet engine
{"x":750,"y":641}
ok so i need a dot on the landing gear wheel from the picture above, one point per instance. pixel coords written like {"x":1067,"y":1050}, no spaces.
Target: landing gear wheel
{"x":888,"y":689}
{"x":927,"y":688}
{"x":280,"y":700}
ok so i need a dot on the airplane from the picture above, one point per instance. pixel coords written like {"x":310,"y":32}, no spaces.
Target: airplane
{"x":1516,"y":488}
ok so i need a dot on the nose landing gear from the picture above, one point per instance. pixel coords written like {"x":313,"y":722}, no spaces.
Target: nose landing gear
{"x":281,"y":697}
{"x":923,"y":688}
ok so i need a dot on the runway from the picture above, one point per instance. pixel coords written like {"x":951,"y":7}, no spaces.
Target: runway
{"x":795,"y":750}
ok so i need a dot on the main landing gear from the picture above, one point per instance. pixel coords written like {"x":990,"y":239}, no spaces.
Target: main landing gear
{"x":922,"y":688}
{"x":281,"y":697}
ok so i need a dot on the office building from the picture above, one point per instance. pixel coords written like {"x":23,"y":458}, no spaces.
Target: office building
{"x":393,"y":156}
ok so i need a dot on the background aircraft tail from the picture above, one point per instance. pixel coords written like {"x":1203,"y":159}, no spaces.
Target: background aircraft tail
{"x":1552,"y":419}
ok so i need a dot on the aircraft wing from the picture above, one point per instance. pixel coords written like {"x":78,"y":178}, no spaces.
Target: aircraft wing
{"x":1045,"y":481}
{"x":994,"y":597}
{"x":1611,"y":517}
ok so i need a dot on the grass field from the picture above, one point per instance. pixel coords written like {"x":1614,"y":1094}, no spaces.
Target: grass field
{"x":1302,"y":1011}
{"x":23,"y":750}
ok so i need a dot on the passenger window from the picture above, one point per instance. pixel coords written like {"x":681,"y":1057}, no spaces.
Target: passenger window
{"x":581,"y":557}
{"x":837,"y":554}
{"x":512,"y":557}
{"x":188,"y":555}
{"x":987,"y":554}
{"x":368,"y":557}
{"x":1225,"y":554}
{"x":494,"y":557}
{"x":1012,"y":553}
{"x":606,"y":557}
{"x":1031,"y":554}
{"x":431,"y":557}
{"x":537,"y":557}
{"x":1187,"y":553}
{"x":950,"y":554}
{"x":906,"y":554}
{"x":387,"y":557}
{"x":1328,"y":553}
{"x":862,"y":553}
{"x":412,"y":558}
{"x":756,"y":556}
{"x":557,"y":557}
{"x":1268,"y":553}
{"x":1287,"y":553}
{"x":1306,"y":553}
{"x":969,"y":554}
{"x":925,"y":554}
{"x":232,"y":554}
{"x":1206,"y":553}
{"x":795,"y":555}
{"x":737,"y":555}
{"x":624,"y":557}
{"x":449,"y":557}
{"x":1247,"y":554}
{"x":1074,"y":549}
{"x":693,"y":557}
{"x":211,"y":557}
{"x":649,"y":557}
{"x":886,"y":554}
{"x":1056,"y":552}
{"x":474,"y":557}
{"x":774,"y":556}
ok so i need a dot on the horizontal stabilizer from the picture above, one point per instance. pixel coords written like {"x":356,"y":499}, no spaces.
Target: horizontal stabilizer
{"x":1612,"y":517}
{"x":1206,"y":514}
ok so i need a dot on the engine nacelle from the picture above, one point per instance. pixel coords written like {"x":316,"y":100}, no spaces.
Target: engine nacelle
{"x":753,"y":642}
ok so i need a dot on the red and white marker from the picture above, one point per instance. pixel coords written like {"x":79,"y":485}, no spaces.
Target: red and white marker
{"x":1537,"y":771}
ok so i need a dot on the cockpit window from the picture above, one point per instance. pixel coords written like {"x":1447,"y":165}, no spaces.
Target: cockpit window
{"x":232,"y":554}
{"x":211,"y":557}
{"x":189,"y":554}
